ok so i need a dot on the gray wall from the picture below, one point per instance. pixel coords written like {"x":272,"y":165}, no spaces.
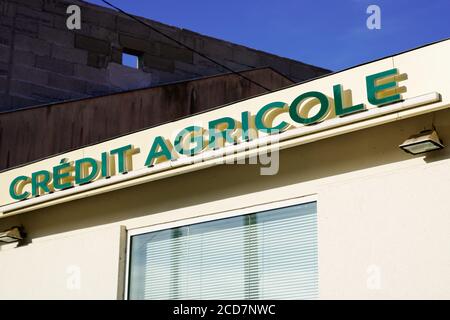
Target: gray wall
{"x":42,"y":61}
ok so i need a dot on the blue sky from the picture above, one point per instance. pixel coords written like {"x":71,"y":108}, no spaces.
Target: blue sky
{"x":327,"y":33}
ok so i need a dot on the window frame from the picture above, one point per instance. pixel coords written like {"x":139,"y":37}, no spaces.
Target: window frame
{"x":205,"y":218}
{"x":139,"y":58}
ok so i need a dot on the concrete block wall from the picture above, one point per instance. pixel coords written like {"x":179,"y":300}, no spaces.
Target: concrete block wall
{"x":42,"y":61}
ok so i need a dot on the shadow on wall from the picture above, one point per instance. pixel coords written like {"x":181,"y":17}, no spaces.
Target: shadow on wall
{"x":347,"y":153}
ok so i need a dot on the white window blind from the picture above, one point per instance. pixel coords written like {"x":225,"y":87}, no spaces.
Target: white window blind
{"x":265,"y":255}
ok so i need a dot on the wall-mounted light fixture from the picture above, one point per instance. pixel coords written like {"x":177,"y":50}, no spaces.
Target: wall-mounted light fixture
{"x":12,"y":235}
{"x":425,"y":141}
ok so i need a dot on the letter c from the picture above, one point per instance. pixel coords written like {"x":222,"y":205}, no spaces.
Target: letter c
{"x":17,"y":185}
{"x":263,"y":114}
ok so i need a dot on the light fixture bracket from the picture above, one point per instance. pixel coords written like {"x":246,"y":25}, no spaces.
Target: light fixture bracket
{"x":11,"y":235}
{"x":424,"y":141}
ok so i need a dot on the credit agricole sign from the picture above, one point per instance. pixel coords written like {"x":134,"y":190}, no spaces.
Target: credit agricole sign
{"x":381,"y":90}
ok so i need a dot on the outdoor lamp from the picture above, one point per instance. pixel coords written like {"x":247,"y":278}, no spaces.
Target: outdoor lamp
{"x":425,"y":141}
{"x":12,"y":235}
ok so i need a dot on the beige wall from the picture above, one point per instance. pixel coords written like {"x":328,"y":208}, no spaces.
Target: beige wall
{"x":377,"y":206}
{"x":84,"y":265}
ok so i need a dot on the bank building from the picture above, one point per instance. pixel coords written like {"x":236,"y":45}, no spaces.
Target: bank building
{"x":177,"y":178}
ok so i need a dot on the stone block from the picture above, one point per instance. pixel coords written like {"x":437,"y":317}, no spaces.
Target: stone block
{"x":4,"y":53}
{"x":153,"y":62}
{"x":37,"y":46}
{"x":300,"y":71}
{"x":164,"y":28}
{"x":5,"y":102}
{"x":38,"y":92}
{"x":160,"y":77}
{"x":3,"y":83}
{"x":138,"y":45}
{"x":277,"y":63}
{"x":23,"y":57}
{"x":233,"y":65}
{"x":18,"y":102}
{"x":37,"y":17}
{"x":97,"y":17}
{"x":132,"y":27}
{"x":216,"y":49}
{"x":66,"y":83}
{"x":97,"y":60}
{"x":26,"y":26}
{"x":245,"y":56}
{"x":5,"y":35}
{"x":175,"y":53}
{"x":91,"y":74}
{"x":92,"y":44}
{"x":7,"y":10}
{"x":4,"y":69}
{"x":96,"y":89}
{"x":128,"y":78}
{"x":61,"y":37}
{"x":37,"y":4}
{"x":200,"y":61}
{"x":116,"y":55}
{"x":59,"y":22}
{"x":69,"y":54}
{"x":55,"y":65}
{"x":29,"y":74}
{"x":198,"y":70}
{"x":6,"y":21}
{"x":189,"y":38}
{"x":98,"y":32}
{"x":55,"y":6}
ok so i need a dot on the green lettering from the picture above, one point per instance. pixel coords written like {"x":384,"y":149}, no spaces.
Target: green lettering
{"x":227,"y":126}
{"x":62,"y":173}
{"x":196,"y":136}
{"x":245,"y":118}
{"x":373,"y":88}
{"x":40,"y":182}
{"x":262,"y":115}
{"x":82,"y":174}
{"x":339,"y":103}
{"x":105,"y":165}
{"x":154,"y":154}
{"x":16,"y":188}
{"x":121,"y":156}
{"x":324,"y":104}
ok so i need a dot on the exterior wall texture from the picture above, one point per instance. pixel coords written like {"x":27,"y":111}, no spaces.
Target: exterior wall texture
{"x":377,"y":206}
{"x":42,"y":61}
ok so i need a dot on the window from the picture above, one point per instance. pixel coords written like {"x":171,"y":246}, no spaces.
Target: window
{"x":264,"y":255}
{"x":131,"y":60}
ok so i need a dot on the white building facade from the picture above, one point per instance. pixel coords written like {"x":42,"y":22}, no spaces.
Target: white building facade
{"x":301,"y":193}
